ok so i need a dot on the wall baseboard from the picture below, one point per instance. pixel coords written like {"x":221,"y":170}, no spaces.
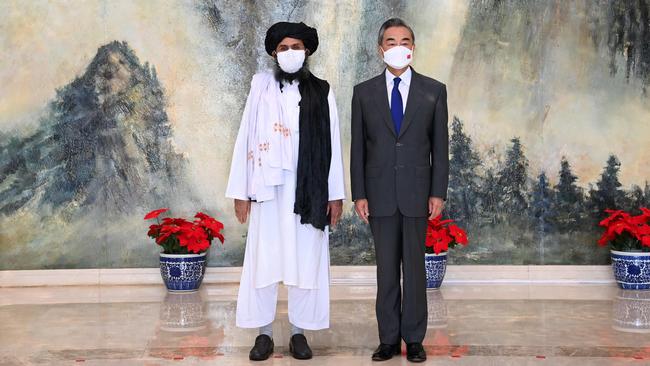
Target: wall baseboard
{"x":341,"y":275}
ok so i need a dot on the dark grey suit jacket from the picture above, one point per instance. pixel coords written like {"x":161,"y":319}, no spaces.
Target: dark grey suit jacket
{"x":399,"y":170}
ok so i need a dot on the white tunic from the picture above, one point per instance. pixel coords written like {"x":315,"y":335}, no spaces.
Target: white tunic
{"x":278,"y":247}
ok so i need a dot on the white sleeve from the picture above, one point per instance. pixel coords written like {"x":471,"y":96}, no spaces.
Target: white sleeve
{"x":336,"y":179}
{"x":237,"y":181}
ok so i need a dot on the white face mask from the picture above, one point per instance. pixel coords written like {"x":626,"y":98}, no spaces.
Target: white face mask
{"x":291,"y":61}
{"x":398,"y":57}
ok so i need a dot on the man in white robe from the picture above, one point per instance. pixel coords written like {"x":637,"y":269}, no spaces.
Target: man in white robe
{"x":287,"y":240}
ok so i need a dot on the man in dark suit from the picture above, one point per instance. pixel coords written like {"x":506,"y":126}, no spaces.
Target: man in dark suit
{"x":399,"y":172}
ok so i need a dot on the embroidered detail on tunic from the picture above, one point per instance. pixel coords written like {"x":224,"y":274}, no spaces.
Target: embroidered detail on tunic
{"x":265,"y":146}
{"x":279,"y":127}
{"x":250,"y":155}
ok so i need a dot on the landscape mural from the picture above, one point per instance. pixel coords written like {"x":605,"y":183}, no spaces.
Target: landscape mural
{"x":109,"y":109}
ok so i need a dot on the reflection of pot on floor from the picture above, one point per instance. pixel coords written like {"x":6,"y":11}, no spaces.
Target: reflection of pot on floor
{"x":631,"y":311}
{"x":437,"y":310}
{"x":183,"y":312}
{"x":185,"y":329}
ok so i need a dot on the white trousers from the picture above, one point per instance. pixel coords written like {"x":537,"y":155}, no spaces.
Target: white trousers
{"x":308,"y":308}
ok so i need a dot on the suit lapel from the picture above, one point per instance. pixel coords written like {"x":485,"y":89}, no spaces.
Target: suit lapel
{"x":412,"y":103}
{"x":381,"y":99}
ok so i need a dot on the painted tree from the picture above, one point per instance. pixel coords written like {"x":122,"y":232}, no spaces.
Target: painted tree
{"x":608,"y":193}
{"x":568,"y":205}
{"x":464,"y":181}
{"x":637,"y":198}
{"x":351,"y":242}
{"x":540,"y":209}
{"x":512,"y":181}
{"x":490,"y":192}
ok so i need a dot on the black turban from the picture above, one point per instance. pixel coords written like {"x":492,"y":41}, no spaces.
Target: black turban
{"x":282,"y":30}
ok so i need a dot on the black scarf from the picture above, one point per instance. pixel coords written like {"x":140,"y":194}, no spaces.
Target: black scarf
{"x":314,"y":153}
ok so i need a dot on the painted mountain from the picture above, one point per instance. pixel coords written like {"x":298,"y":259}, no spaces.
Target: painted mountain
{"x":101,"y":155}
{"x":548,"y":105}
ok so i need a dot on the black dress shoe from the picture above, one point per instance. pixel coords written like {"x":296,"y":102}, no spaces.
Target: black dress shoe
{"x":299,"y":348}
{"x":386,"y":351}
{"x":263,"y":348}
{"x":415,"y":352}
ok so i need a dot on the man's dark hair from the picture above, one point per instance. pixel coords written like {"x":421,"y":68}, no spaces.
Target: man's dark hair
{"x":393,"y":22}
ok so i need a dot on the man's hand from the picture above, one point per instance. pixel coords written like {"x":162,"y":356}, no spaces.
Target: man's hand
{"x":242,"y":209}
{"x":436,"y":205}
{"x":361,"y":206}
{"x":334,"y":209}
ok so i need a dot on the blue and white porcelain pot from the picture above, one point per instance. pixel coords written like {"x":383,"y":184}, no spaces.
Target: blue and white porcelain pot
{"x":435,"y":266}
{"x":631,"y":269}
{"x":182,"y":272}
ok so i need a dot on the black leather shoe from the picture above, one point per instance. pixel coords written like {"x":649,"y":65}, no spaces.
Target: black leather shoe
{"x":386,"y":351}
{"x":263,"y":348}
{"x":415,"y":352}
{"x":299,"y":348}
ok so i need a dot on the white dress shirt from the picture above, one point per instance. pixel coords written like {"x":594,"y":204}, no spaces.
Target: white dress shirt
{"x":403,"y":86}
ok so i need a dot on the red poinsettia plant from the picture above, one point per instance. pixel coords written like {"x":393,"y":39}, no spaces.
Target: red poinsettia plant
{"x":626,"y":232}
{"x":179,"y":236}
{"x":442,"y":235}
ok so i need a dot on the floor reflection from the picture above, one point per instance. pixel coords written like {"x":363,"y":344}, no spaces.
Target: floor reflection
{"x":184,"y":329}
{"x":471,"y":324}
{"x":183,"y":312}
{"x":631,"y":311}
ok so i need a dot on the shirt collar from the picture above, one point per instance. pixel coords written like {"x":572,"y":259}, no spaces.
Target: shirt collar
{"x":405,"y":77}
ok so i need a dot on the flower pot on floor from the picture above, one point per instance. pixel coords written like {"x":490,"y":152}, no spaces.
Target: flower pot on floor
{"x":631,"y":269}
{"x":435,"y":266}
{"x":182,"y":272}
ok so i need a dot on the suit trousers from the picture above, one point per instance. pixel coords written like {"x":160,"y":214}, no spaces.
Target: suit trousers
{"x":401,"y":310}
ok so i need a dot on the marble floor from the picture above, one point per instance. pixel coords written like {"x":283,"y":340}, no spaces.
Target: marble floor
{"x":468,"y":325}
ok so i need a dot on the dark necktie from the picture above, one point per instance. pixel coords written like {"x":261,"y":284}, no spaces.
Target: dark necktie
{"x":396,"y":106}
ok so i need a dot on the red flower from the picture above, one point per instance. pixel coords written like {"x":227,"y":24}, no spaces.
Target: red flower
{"x":459,"y":234}
{"x":440,"y":235}
{"x":645,"y":241}
{"x":643,"y":229}
{"x":154,"y":231}
{"x":213,"y":226}
{"x":619,"y":222}
{"x":166,"y":231}
{"x":194,"y":238}
{"x":155,"y":213}
{"x":175,"y":221}
{"x":604,"y":239}
{"x":169,"y":227}
{"x":613,"y":215}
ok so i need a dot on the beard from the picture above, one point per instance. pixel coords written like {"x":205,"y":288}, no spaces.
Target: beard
{"x":285,"y":77}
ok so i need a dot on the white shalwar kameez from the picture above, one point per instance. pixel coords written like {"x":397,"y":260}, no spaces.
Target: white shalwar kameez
{"x":278,"y":247}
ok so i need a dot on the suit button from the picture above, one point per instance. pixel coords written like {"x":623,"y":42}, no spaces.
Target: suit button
{"x":399,"y":144}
